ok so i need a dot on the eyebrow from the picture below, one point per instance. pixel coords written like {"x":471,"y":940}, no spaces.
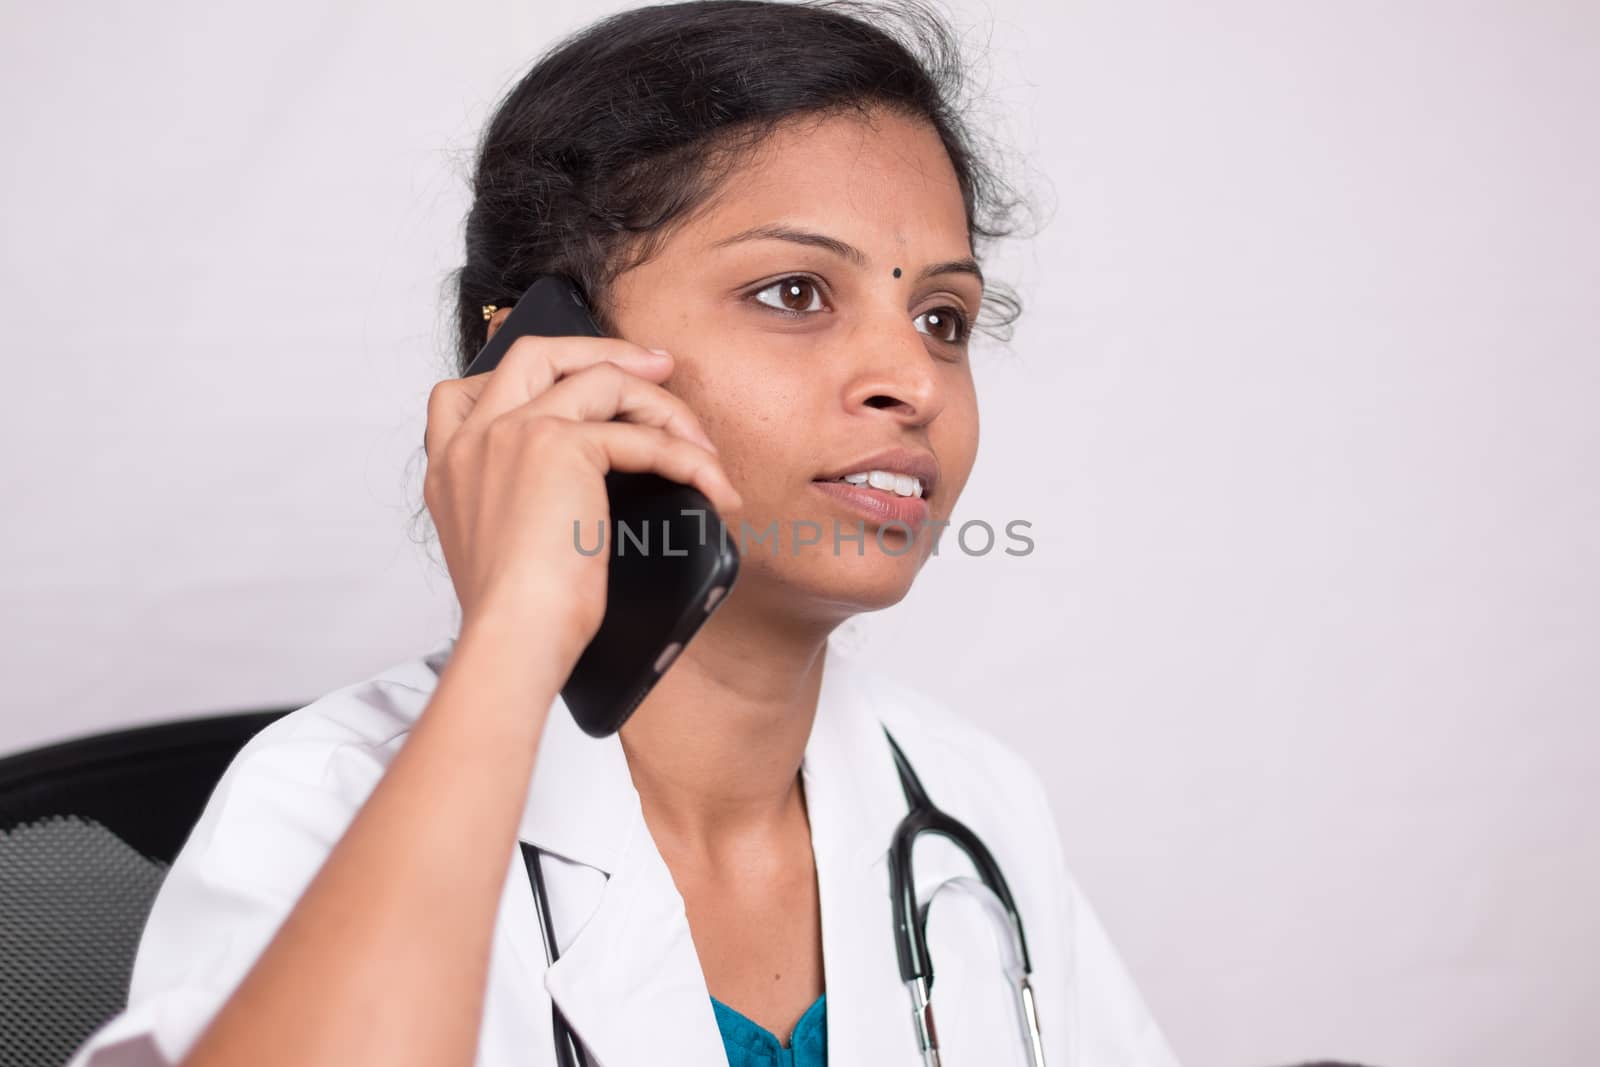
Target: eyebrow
{"x":776,"y":232}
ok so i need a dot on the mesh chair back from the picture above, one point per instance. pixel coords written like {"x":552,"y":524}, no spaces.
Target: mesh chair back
{"x":88,"y":829}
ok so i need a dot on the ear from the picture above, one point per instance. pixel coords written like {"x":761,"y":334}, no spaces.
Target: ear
{"x":494,"y":322}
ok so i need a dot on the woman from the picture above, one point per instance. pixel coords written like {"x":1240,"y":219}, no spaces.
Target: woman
{"x":773,"y":211}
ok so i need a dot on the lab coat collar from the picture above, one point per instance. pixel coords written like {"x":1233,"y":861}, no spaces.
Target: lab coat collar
{"x":634,"y":958}
{"x":855,"y":803}
{"x":582,"y":802}
{"x":853,"y":794}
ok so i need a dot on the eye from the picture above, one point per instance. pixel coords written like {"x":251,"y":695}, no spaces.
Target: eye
{"x":794,"y":292}
{"x":949,"y":324}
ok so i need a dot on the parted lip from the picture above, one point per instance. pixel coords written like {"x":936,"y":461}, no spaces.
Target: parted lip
{"x":917,"y":463}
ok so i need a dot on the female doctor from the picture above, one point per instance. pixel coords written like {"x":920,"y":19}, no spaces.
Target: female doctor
{"x":773,"y":209}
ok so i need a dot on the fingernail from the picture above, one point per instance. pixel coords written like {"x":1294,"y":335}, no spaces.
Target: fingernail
{"x":660,"y":351}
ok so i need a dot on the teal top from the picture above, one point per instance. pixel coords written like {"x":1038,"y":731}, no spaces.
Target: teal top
{"x":751,"y":1045}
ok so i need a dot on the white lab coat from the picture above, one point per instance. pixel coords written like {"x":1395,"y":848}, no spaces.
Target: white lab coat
{"x":628,"y":979}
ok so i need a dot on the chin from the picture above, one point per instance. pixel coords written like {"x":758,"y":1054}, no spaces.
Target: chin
{"x":842,"y":585}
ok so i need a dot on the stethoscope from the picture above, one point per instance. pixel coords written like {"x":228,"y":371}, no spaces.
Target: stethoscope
{"x":910,"y":921}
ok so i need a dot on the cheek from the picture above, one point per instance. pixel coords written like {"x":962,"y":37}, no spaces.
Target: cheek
{"x":955,"y":437}
{"x":748,"y":415}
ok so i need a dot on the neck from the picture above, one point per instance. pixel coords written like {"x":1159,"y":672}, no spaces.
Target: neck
{"x":715,"y":749}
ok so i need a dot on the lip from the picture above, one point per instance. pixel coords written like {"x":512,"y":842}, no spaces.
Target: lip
{"x":877,"y":506}
{"x":915,"y":462}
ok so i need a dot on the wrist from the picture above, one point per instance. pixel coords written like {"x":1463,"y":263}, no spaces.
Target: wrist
{"x":528,"y":627}
{"x":503,"y":672}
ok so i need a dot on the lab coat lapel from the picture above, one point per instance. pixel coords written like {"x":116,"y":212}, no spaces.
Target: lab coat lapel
{"x":631,"y":984}
{"x":854,"y":802}
{"x":628,"y":981}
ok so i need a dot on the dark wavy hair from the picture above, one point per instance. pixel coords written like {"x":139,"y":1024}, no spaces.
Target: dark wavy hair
{"x":629,"y":125}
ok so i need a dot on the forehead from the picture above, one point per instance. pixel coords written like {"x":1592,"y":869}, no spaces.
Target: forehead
{"x":873,"y":180}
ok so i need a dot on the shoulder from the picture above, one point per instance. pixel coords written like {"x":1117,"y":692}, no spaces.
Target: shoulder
{"x":271,"y":820}
{"x":292,"y":789}
{"x":368,"y":713}
{"x":337,"y":740}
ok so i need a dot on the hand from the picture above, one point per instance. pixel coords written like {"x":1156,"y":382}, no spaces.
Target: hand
{"x":518,"y":454}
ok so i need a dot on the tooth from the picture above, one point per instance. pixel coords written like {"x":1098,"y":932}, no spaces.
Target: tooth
{"x":856,"y":479}
{"x":916,"y":490}
{"x":881,"y":480}
{"x":903,"y":484}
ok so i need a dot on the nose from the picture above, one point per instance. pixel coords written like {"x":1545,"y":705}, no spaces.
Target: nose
{"x":896,"y":375}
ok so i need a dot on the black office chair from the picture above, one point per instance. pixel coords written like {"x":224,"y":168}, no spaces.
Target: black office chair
{"x":88,"y":829}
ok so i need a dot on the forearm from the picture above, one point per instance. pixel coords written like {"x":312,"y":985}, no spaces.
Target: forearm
{"x":385,"y":957}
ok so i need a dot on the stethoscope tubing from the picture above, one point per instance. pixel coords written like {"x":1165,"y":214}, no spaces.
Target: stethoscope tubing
{"x":910,"y":921}
{"x":569,"y":1050}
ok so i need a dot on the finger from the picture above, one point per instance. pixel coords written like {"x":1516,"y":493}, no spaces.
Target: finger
{"x":633,"y":448}
{"x":604,"y":391}
{"x":449,"y":403}
{"x":524,"y":371}
{"x":533,"y":364}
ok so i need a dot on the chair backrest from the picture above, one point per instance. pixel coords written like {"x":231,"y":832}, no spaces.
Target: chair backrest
{"x":88,"y":829}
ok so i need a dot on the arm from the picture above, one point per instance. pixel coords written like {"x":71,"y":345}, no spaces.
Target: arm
{"x":385,"y":957}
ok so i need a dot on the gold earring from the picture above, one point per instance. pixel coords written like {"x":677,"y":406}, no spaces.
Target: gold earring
{"x":489,"y":310}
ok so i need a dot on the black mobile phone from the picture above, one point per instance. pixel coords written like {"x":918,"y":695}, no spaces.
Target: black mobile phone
{"x":670,"y":559}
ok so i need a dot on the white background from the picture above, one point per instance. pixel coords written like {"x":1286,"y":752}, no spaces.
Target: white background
{"x":1301,"y":409}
